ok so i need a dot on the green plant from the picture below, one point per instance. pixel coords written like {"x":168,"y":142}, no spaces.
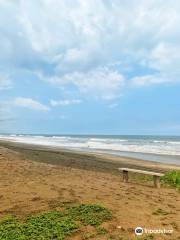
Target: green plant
{"x":87,"y":236}
{"x":160,"y":211}
{"x":101,"y":230}
{"x":54,"y":225}
{"x":90,"y":214}
{"x":172,"y":179}
{"x":49,"y":225}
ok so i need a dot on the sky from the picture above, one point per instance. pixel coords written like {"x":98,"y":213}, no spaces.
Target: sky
{"x":90,"y":67}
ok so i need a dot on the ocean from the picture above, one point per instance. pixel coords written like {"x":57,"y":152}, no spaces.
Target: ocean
{"x":164,"y":149}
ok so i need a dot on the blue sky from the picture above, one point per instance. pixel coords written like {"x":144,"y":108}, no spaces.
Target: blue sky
{"x":90,"y":67}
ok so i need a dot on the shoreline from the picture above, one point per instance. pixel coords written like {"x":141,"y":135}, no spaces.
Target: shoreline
{"x":102,"y":162}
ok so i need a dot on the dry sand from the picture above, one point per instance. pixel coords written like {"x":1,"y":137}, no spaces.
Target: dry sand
{"x":28,"y":186}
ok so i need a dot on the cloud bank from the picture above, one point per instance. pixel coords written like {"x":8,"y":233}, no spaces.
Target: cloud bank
{"x":96,"y":48}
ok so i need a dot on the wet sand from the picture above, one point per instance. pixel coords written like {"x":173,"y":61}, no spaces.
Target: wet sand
{"x":35,"y":179}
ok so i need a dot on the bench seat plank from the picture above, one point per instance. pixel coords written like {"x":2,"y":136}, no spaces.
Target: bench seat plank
{"x":141,"y":171}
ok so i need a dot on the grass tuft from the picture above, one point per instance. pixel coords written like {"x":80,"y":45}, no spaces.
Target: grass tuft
{"x":172,"y":179}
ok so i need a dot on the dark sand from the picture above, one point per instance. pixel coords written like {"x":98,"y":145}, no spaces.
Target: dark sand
{"x":35,"y":179}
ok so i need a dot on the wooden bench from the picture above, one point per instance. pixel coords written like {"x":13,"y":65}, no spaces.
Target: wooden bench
{"x":156,"y":176}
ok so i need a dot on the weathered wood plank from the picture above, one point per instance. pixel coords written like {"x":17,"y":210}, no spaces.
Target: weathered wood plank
{"x":141,"y":171}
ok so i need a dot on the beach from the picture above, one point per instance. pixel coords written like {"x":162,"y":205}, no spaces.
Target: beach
{"x":37,"y":178}
{"x":89,"y":120}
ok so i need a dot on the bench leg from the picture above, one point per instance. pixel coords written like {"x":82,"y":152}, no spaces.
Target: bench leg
{"x":125,"y":176}
{"x":157,"y":181}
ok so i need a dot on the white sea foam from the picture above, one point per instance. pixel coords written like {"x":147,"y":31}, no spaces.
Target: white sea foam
{"x":108,"y":144}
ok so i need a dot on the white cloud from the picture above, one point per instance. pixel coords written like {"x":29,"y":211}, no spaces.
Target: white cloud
{"x":31,"y":104}
{"x":72,"y":40}
{"x":149,"y":80}
{"x":76,"y":55}
{"x":66,"y":102}
{"x":164,"y":57}
{"x":113,"y":105}
{"x":5,"y":82}
{"x":101,"y":82}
